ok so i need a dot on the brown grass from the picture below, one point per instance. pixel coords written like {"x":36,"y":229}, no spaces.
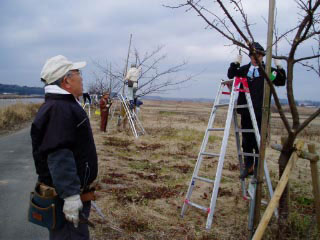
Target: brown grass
{"x":14,"y":116}
{"x":142,"y":182}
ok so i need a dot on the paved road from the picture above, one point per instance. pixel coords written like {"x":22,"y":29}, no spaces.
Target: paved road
{"x":17,"y":178}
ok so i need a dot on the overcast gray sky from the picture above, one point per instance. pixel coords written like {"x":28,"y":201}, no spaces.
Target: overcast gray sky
{"x":34,"y":30}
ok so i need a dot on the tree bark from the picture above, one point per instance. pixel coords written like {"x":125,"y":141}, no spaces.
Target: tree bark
{"x":290,"y":93}
{"x":285,"y":155}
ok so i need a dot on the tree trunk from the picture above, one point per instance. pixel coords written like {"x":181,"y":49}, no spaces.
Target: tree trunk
{"x":285,"y":198}
{"x":290,"y":94}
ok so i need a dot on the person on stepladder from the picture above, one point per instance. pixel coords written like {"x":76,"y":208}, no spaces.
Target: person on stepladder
{"x":132,"y":81}
{"x":255,"y":80}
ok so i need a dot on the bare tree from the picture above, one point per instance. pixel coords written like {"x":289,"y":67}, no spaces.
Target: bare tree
{"x":156,"y":76}
{"x":224,"y":19}
{"x":104,"y":80}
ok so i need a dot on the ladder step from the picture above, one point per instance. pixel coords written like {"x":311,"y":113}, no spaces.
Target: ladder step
{"x":241,"y":106}
{"x":215,"y":129}
{"x":245,"y":130}
{"x":222,"y":105}
{"x":203,"y":179}
{"x":197,"y":206}
{"x":249,"y":154}
{"x":210,"y":154}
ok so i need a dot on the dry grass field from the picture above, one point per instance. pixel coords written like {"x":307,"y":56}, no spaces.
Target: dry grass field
{"x":15,"y":116}
{"x":142,"y":183}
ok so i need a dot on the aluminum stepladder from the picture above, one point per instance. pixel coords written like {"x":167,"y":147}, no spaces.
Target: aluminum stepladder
{"x":234,"y":87}
{"x":134,"y":122}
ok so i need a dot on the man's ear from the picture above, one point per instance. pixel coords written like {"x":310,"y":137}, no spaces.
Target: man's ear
{"x":65,"y":80}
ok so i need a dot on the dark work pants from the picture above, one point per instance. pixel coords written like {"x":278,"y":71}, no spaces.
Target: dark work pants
{"x":104,"y":119}
{"x":69,"y":232}
{"x":249,"y":144}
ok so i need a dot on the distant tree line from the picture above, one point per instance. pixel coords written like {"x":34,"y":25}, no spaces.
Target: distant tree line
{"x":20,"y":90}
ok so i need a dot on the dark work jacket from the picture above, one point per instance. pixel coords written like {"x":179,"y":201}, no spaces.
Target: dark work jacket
{"x":63,"y":147}
{"x":256,"y":84}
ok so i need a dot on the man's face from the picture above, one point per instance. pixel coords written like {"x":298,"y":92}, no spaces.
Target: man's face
{"x":74,"y":83}
{"x":253,"y":61}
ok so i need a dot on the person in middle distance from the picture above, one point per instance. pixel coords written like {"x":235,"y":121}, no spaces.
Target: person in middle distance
{"x":105,"y":104}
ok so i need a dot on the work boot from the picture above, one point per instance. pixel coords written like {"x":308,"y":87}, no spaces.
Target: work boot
{"x":246,"y":172}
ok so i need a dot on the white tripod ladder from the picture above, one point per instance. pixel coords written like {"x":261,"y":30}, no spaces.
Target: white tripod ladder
{"x":134,"y":122}
{"x":233,"y":90}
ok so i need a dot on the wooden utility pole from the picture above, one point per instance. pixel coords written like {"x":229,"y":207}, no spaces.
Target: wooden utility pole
{"x":124,"y":75}
{"x":126,"y":67}
{"x":265,"y":117}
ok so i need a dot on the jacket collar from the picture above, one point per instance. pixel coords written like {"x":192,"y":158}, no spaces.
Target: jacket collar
{"x":55,"y":90}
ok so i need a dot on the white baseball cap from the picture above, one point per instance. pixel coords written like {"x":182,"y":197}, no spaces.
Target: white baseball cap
{"x":56,"y":67}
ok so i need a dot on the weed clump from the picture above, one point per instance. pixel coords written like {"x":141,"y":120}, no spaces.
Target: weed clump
{"x":117,"y":142}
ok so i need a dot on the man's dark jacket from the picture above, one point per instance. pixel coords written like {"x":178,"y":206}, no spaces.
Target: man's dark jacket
{"x":256,"y":85}
{"x":63,"y":147}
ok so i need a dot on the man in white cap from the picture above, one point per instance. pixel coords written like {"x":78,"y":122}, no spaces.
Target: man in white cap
{"x":63,"y":147}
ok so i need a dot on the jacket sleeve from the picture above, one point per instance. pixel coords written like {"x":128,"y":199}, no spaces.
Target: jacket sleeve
{"x":233,"y":70}
{"x":63,"y":172}
{"x":281,"y":77}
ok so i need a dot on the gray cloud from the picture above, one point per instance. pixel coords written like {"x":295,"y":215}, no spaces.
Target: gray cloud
{"x":99,"y":30}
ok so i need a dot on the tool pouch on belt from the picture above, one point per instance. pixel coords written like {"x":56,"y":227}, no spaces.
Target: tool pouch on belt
{"x":45,"y":208}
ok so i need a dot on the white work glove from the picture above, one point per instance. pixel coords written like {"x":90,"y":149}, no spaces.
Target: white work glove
{"x":238,"y":59}
{"x":277,"y":62}
{"x":72,"y":206}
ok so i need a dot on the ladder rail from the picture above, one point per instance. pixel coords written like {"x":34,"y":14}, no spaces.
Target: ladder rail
{"x":221,"y":159}
{"x":139,"y":125}
{"x":202,"y":149}
{"x":253,"y":118}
